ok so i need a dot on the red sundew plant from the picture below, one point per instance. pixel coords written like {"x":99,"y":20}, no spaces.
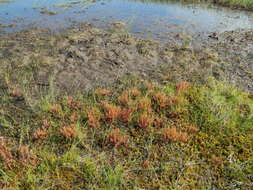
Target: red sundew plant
{"x":68,"y":132}
{"x":135,"y":92}
{"x":144,"y":120}
{"x":124,"y":98}
{"x":74,"y":117}
{"x":93,"y":118}
{"x":103,"y":92}
{"x":6,"y":155}
{"x":112,"y":112}
{"x":72,"y":103}
{"x":126,"y":115}
{"x":158,"y":122}
{"x":191,"y":128}
{"x":161,"y":99}
{"x":116,"y":138}
{"x":46,"y":124}
{"x":145,"y":104}
{"x":182,"y":86}
{"x":25,"y":155}
{"x":173,"y":135}
{"x":40,"y":134}
{"x":55,"y":109}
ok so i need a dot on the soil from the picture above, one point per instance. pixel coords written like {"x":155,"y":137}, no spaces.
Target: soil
{"x":42,"y":63}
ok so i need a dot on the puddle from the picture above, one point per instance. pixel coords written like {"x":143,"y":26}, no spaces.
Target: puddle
{"x":147,"y":18}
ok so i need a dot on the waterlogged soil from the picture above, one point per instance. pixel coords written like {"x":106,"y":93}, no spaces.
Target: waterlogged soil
{"x":42,"y":64}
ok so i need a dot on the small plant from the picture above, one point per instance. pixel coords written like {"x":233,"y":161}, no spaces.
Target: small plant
{"x":126,"y":114}
{"x":161,"y":99}
{"x":116,"y":138}
{"x":46,"y":124}
{"x":172,"y":135}
{"x":103,"y":92}
{"x":182,"y":86}
{"x":144,"y":120}
{"x":158,"y":122}
{"x":6,"y":155}
{"x":68,"y":132}
{"x":191,"y":128}
{"x":72,"y":103}
{"x":93,"y":117}
{"x":146,"y":164}
{"x":17,"y":92}
{"x":124,"y":98}
{"x":74,"y":117}
{"x":145,"y":104}
{"x":135,"y":92}
{"x":55,"y":109}
{"x":112,"y":112}
{"x":25,"y":156}
{"x":40,"y":134}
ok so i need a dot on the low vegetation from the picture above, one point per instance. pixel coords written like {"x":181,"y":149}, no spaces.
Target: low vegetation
{"x":135,"y":135}
{"x":242,"y":4}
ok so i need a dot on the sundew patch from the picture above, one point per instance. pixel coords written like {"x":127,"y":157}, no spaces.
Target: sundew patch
{"x":135,"y":136}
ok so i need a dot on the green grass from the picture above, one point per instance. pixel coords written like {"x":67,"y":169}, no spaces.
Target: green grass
{"x":137,"y":135}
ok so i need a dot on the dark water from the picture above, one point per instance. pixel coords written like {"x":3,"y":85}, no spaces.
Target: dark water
{"x":149,"y":18}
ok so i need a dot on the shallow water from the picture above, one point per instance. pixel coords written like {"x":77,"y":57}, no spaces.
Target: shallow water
{"x":148,"y":18}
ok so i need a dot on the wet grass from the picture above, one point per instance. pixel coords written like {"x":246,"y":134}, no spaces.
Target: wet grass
{"x":135,"y":135}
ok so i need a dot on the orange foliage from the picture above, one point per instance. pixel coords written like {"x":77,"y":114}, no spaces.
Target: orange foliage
{"x":112,"y":112}
{"x":93,"y":118}
{"x":135,"y":92}
{"x":17,"y":92}
{"x":171,"y":134}
{"x":161,"y":99}
{"x":40,"y":134}
{"x":72,"y":103}
{"x":158,"y":122}
{"x":46,"y":124}
{"x":124,"y":98}
{"x":191,"y":128}
{"x":103,"y":92}
{"x":145,"y":104}
{"x":116,"y":138}
{"x":55,"y":109}
{"x":6,"y":155}
{"x":144,"y":120}
{"x":74,"y":117}
{"x":146,"y":164}
{"x":68,"y":131}
{"x":182,"y":86}
{"x":25,"y":155}
{"x":126,"y":115}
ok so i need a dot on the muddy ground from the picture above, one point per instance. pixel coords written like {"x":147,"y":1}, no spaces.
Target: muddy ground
{"x":41,"y":63}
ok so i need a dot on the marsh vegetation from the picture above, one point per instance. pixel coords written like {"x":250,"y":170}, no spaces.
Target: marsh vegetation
{"x":91,"y":108}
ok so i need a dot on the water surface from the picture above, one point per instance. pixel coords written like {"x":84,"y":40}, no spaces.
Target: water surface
{"x":148,"y":18}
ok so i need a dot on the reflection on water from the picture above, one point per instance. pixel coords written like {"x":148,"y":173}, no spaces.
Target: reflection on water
{"x":154,"y":18}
